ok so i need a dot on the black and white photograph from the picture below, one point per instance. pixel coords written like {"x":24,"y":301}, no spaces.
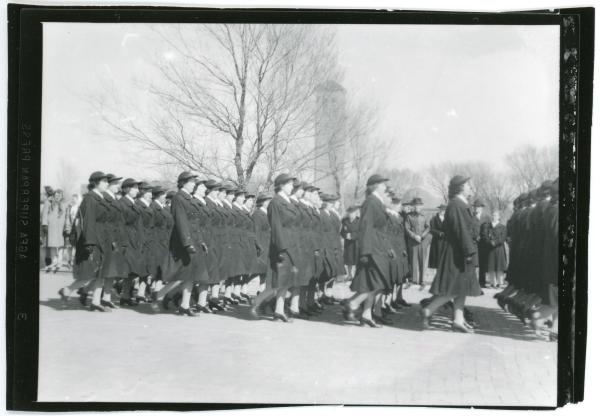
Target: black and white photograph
{"x":301,"y":213}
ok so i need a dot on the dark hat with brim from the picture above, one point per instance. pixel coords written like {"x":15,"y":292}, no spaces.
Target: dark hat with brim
{"x":458,"y":180}
{"x":144,"y":186}
{"x":113,"y":178}
{"x":417,"y":201}
{"x":49,"y":191}
{"x":307,"y":186}
{"x":129,"y":183}
{"x":158,"y":191}
{"x":228,"y":188}
{"x":283,"y":178}
{"x":263,"y":197}
{"x":239,"y":192}
{"x":407,"y":203}
{"x":250,"y":196}
{"x":375,"y":179}
{"x":212,"y":184}
{"x":97,"y":176}
{"x":185,"y":176}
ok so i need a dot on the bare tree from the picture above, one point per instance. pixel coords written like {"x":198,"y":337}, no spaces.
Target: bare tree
{"x":530,"y":166}
{"x":402,"y":180}
{"x":231,"y":100}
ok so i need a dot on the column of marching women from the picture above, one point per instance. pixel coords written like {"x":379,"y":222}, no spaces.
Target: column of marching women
{"x":200,"y":248}
{"x":532,"y":234}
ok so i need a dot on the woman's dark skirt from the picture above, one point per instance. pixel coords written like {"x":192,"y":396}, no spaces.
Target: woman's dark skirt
{"x":285,"y":274}
{"x":370,"y":278}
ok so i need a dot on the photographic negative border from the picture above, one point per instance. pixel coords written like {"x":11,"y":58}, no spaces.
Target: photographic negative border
{"x":24,"y":145}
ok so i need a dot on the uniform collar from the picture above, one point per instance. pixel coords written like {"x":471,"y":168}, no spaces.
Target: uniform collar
{"x":462,"y":198}
{"x":226,"y":202}
{"x":157,"y":202}
{"x":239,"y":206}
{"x":263,"y":209}
{"x":98,"y":193}
{"x":130,"y":198}
{"x":216,"y":201}
{"x":284,"y":196}
{"x":305,"y":202}
{"x":294,"y":198}
{"x":199,"y":198}
{"x":376,"y":195}
{"x":186,"y":191}
{"x":143,"y":201}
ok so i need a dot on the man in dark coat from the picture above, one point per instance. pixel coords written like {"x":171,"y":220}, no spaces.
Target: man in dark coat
{"x":480,"y":227}
{"x":438,"y":240}
{"x":348,"y":233}
{"x":417,"y":228}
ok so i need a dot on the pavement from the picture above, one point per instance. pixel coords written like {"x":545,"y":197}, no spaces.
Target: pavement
{"x":134,"y":355}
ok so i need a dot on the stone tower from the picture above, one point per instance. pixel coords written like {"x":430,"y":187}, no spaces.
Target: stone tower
{"x":329,"y":122}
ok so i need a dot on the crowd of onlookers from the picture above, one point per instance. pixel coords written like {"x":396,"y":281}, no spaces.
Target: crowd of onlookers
{"x":57,"y":214}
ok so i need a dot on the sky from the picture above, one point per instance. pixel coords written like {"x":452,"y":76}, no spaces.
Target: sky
{"x":444,"y":92}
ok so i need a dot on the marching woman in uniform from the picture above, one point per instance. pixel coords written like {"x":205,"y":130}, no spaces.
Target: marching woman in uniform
{"x":247,"y":244}
{"x":375,"y":251}
{"x":89,"y":232}
{"x":262,"y":230}
{"x":147,"y":220}
{"x":254,"y":250}
{"x":163,"y":227}
{"x":456,"y":277}
{"x":218,"y":243}
{"x":285,"y":247}
{"x":114,"y":265}
{"x":186,"y":263}
{"x":494,"y":239}
{"x":304,"y":262}
{"x":348,"y":233}
{"x":234,"y":264}
{"x":133,"y":235}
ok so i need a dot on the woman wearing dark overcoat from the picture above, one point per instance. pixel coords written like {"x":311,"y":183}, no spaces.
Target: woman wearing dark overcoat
{"x":262,"y":230}
{"x":217,"y":247}
{"x":401,"y":261}
{"x":114,"y":263}
{"x":375,"y":254}
{"x":437,"y":237}
{"x":285,"y":245}
{"x":132,"y":221}
{"x":163,"y":227}
{"x":247,"y":244}
{"x":186,"y":263}
{"x":234,"y":264}
{"x":88,"y":232}
{"x":494,"y":240}
{"x":456,"y":277}
{"x":147,"y":226}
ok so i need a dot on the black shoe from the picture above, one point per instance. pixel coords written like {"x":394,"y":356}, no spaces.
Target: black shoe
{"x":238,"y":299}
{"x":165,"y":302}
{"x":108,"y":304}
{"x":184,"y":311}
{"x":82,"y":296}
{"x":62,"y":295}
{"x":216,"y":305}
{"x":229,"y":301}
{"x":280,"y":317}
{"x":248,"y":298}
{"x":308,"y":312}
{"x":127,"y":302}
{"x":349,"y":315}
{"x":204,"y":309}
{"x":369,"y":322}
{"x":299,"y":315}
{"x":99,"y":308}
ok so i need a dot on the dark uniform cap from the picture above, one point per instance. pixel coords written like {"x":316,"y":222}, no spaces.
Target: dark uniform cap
{"x":250,"y":196}
{"x":129,"y":182}
{"x":185,"y":176}
{"x":171,"y":194}
{"x":417,"y":201}
{"x":199,"y":181}
{"x":96,"y":176}
{"x":478,"y":203}
{"x":406,"y":203}
{"x":263,"y":197}
{"x":375,"y":179}
{"x":158,"y":191}
{"x":113,"y":178}
{"x":283,"y":178}
{"x":144,"y":186}
{"x":458,"y":180}
{"x":229,"y":188}
{"x":297,"y":183}
{"x":240,"y":192}
{"x":48,"y":190}
{"x":211,"y":184}
{"x":307,"y":186}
